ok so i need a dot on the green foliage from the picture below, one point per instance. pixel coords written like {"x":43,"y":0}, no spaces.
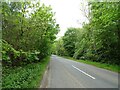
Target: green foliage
{"x":29,"y":31}
{"x":99,"y":40}
{"x":12,"y":57}
{"x":103,"y":33}
{"x":69,"y":40}
{"x":59,"y":48}
{"x":28,"y":76}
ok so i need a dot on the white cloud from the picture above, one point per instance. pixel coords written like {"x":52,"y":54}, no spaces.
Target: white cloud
{"x":67,"y":13}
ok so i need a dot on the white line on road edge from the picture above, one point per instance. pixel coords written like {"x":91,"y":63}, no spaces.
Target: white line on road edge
{"x":83,"y":72}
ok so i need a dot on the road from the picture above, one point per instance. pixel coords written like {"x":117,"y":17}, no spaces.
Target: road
{"x":64,"y":73}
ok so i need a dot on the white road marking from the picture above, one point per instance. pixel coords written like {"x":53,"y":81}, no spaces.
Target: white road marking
{"x":83,"y":72}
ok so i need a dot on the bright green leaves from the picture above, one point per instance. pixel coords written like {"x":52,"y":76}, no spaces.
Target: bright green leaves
{"x":105,"y":16}
{"x":29,"y":30}
{"x":12,"y":57}
{"x":29,"y":26}
{"x":99,"y":40}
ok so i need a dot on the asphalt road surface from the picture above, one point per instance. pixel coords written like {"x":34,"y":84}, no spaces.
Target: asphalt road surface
{"x":64,"y":73}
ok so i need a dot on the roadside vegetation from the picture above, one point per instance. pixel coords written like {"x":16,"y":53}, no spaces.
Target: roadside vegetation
{"x":26,"y":76}
{"x":97,"y":42}
{"x":28,"y":32}
{"x":110,"y":67}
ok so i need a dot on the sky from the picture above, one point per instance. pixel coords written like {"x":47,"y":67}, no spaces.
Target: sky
{"x":67,"y":13}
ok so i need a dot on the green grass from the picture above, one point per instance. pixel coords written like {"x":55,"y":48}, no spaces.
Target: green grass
{"x":114,"y":68}
{"x":28,"y":76}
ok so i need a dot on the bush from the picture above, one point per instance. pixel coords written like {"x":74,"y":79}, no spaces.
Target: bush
{"x":11,"y":57}
{"x":24,"y":77}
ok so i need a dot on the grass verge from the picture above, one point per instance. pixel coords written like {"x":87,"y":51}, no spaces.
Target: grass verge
{"x":110,"y":67}
{"x":28,"y":76}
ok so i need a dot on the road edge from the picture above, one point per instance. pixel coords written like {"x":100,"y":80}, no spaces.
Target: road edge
{"x":44,"y":81}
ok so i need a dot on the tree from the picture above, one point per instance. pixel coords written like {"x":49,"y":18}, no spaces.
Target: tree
{"x":27,"y":30}
{"x":99,"y":40}
{"x":69,"y":40}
